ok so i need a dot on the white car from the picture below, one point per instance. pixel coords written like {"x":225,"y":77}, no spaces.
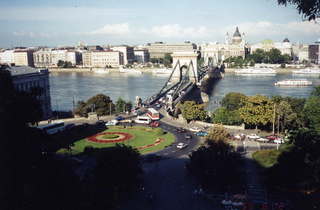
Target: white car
{"x":278,"y":141}
{"x":194,"y":129}
{"x":253,"y":136}
{"x":112,"y":122}
{"x":181,"y":145}
{"x":262,"y":140}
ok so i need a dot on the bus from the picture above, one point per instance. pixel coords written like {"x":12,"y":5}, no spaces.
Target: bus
{"x":153,"y":114}
{"x":143,"y":120}
{"x":52,"y":128}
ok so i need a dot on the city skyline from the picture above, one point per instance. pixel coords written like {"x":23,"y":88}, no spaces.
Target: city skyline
{"x":35,"y":22}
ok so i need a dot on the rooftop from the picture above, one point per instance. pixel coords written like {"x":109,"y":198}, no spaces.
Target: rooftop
{"x":21,"y":70}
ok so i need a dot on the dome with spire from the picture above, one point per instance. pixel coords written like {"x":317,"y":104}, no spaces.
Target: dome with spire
{"x":236,"y":39}
{"x":286,"y":40}
{"x":237,"y":33}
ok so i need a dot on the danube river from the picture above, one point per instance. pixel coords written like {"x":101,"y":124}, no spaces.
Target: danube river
{"x":69,"y":87}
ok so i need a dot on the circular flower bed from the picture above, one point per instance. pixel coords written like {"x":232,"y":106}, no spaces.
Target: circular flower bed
{"x":110,"y":137}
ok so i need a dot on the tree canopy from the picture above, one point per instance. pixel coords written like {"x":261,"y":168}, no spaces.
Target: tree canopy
{"x":101,"y":104}
{"x":308,"y":8}
{"x":193,"y":111}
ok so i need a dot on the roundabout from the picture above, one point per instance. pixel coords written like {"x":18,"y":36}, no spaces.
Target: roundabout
{"x":144,"y":139}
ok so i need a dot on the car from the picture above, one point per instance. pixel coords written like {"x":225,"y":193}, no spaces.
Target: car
{"x":119,"y":118}
{"x":112,"y":122}
{"x":188,"y":136}
{"x":202,"y":133}
{"x":181,"y":145}
{"x":272,"y":137}
{"x":155,"y":124}
{"x":278,"y":141}
{"x":158,"y":106}
{"x":100,"y":122}
{"x":253,"y":136}
{"x":181,"y":130}
{"x":262,"y":140}
{"x":194,"y":129}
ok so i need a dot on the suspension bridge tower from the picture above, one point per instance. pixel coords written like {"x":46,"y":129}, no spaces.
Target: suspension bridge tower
{"x":184,"y":61}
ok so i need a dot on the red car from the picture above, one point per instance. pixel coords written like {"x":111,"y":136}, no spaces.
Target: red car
{"x":155,"y":124}
{"x":273,"y":137}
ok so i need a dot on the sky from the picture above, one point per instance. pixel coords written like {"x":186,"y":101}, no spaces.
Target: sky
{"x":133,"y":22}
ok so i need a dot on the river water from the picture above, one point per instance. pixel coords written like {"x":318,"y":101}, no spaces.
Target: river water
{"x":69,"y":87}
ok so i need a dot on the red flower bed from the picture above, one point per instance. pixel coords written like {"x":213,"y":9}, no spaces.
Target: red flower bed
{"x":122,"y":137}
{"x":158,"y":141}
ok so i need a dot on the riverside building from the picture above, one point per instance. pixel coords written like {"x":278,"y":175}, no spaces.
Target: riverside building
{"x":31,"y":80}
{"x":232,"y":47}
{"x":101,"y":59}
{"x":128,"y":53}
{"x":141,"y":55}
{"x":159,"y":49}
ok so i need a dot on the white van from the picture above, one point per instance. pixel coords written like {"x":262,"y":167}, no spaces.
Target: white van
{"x":143,"y":120}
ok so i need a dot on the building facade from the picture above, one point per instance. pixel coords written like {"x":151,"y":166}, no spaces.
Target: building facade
{"x":233,"y":47}
{"x":7,"y":57}
{"x":101,"y":59}
{"x":23,"y":57}
{"x":285,"y":46}
{"x":128,"y":53}
{"x":142,"y":56}
{"x":159,"y":49}
{"x":27,"y":79}
{"x":42,"y":58}
{"x":314,"y":52}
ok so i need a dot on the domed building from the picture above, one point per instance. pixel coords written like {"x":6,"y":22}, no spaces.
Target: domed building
{"x":236,"y":38}
{"x":233,"y":47}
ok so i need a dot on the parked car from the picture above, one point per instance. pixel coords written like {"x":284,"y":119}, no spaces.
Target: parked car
{"x":253,"y":136}
{"x":70,"y":126}
{"x":100,"y":122}
{"x":202,"y":133}
{"x":262,"y":140}
{"x":155,"y":124}
{"x":119,"y":118}
{"x":273,"y":137}
{"x":112,"y":122}
{"x":188,"y":136}
{"x":278,"y":141}
{"x":181,"y":145}
{"x":194,"y":129}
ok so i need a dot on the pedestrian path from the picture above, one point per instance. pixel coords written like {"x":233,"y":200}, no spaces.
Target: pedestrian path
{"x":256,"y":191}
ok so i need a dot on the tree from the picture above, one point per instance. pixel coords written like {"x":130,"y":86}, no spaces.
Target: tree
{"x":217,"y":133}
{"x":128,"y":106}
{"x":285,"y":115}
{"x":257,"y":110}
{"x":274,"y":56}
{"x":120,"y":105}
{"x":82,"y":109}
{"x":101,"y":104}
{"x":208,"y":165}
{"x":233,"y":101}
{"x":192,"y":111}
{"x":223,"y":116}
{"x":167,"y":60}
{"x":308,"y":8}
{"x":116,"y":173}
{"x":312,"y":112}
{"x":316,"y":91}
{"x":60,"y":63}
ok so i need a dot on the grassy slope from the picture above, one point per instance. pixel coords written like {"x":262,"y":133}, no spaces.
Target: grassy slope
{"x":141,"y":136}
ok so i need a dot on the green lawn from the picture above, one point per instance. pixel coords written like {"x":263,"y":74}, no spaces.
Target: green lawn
{"x":141,"y":136}
{"x":266,"y":158}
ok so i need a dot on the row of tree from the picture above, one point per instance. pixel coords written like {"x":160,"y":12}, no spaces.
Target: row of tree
{"x":273,"y":56}
{"x":102,"y":105}
{"x":279,"y":113}
{"x":64,"y":64}
{"x":166,"y":60}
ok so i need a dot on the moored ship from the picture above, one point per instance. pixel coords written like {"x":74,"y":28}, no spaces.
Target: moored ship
{"x":293,"y":82}
{"x":133,"y":71}
{"x":256,"y":71}
{"x":306,"y":71}
{"x":162,"y":71}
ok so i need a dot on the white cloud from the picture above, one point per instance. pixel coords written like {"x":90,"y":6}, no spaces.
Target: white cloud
{"x":33,"y":34}
{"x":177,"y":31}
{"x":265,"y":29}
{"x":112,"y":29}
